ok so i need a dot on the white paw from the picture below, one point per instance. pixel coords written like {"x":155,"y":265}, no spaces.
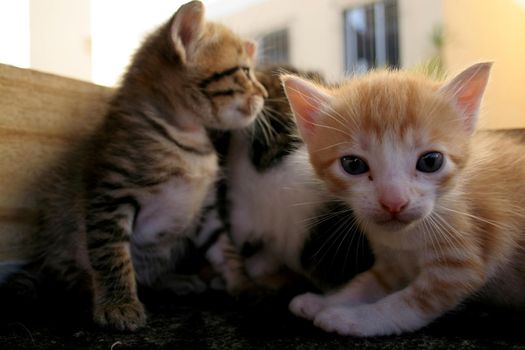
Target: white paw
{"x":307,"y":305}
{"x":362,"y":321}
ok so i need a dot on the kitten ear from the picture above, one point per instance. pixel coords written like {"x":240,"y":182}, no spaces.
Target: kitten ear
{"x":467,"y":89}
{"x":186,"y":28}
{"x":251,"y":48}
{"x":306,"y":101}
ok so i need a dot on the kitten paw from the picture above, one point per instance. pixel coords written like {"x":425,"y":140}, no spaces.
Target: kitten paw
{"x":307,"y":305}
{"x":123,"y":317}
{"x":358,"y":321}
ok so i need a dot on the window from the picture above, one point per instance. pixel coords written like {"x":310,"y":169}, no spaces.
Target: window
{"x":371,"y":36}
{"x":273,"y":48}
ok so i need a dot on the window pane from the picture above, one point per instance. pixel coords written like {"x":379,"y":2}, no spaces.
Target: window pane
{"x":371,"y":36}
{"x":392,"y":33}
{"x":273,"y":48}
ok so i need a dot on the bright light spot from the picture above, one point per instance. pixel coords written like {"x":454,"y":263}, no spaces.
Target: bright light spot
{"x":14,"y":33}
{"x":521,"y":3}
{"x":118,"y":28}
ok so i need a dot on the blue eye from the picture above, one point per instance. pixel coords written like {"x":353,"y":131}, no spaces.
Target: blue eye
{"x":430,"y":162}
{"x":354,"y":165}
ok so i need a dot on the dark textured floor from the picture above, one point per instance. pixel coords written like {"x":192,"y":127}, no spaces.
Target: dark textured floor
{"x":214,"y":321}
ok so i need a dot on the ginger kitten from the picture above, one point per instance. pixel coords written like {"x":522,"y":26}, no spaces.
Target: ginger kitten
{"x":443,"y":206}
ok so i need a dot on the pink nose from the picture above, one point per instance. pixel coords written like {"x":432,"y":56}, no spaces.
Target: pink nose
{"x":393,"y":206}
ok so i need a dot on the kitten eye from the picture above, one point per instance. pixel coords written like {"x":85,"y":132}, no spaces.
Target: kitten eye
{"x":430,"y":162}
{"x":354,"y":165}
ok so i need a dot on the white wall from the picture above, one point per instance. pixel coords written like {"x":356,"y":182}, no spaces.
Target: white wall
{"x":94,"y":39}
{"x":85,"y":39}
{"x":60,"y":37}
{"x":14,"y":32}
{"x":419,"y":18}
{"x":316,"y":29}
{"x":118,"y":28}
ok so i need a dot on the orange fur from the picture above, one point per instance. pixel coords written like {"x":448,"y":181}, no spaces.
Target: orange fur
{"x":464,"y":224}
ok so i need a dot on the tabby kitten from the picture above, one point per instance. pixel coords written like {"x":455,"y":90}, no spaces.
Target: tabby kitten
{"x":442,"y":205}
{"x":125,"y":213}
{"x":282,"y":225}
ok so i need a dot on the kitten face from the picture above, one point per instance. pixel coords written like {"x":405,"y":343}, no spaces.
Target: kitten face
{"x":229,"y":88}
{"x":221,"y":91}
{"x":379,"y":178}
{"x":390,"y":144}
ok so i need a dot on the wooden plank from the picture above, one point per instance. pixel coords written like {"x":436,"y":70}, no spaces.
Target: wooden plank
{"x":24,"y":162}
{"x":45,"y":103}
{"x":41,"y":117}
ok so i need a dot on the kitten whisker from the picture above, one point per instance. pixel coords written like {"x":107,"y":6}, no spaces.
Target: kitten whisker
{"x":449,"y":233}
{"x":333,"y":238}
{"x":332,"y":128}
{"x":316,"y":220}
{"x":313,"y":102}
{"x":441,"y":233}
{"x":343,"y":236}
{"x":433,"y":240}
{"x":475,"y":217}
{"x":352,"y":229}
{"x":321,"y":201}
{"x":266,"y":129}
{"x":334,"y":145}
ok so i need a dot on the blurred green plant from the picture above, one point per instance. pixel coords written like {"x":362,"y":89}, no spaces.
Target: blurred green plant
{"x":434,"y":67}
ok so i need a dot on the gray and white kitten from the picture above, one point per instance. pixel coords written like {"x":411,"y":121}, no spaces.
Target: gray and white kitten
{"x":279,"y":216}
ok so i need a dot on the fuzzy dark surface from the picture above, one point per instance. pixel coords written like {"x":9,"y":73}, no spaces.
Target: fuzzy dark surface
{"x":216,"y":321}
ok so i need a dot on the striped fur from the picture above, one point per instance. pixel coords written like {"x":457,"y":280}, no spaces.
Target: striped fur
{"x":439,"y":237}
{"x":124,"y":207}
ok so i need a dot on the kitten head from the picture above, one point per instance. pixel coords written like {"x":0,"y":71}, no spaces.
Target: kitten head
{"x":273,"y":135}
{"x":203,"y":68}
{"x":391,"y":144}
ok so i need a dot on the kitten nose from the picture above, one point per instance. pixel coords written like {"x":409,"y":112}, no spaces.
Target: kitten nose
{"x":393,"y":205}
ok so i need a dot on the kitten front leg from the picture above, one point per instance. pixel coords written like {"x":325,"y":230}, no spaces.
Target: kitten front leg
{"x":428,"y":297}
{"x":116,"y":303}
{"x":365,"y":288}
{"x":228,"y":262}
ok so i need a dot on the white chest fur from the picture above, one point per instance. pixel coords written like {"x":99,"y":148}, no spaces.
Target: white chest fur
{"x":170,"y":209}
{"x":275,"y":206}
